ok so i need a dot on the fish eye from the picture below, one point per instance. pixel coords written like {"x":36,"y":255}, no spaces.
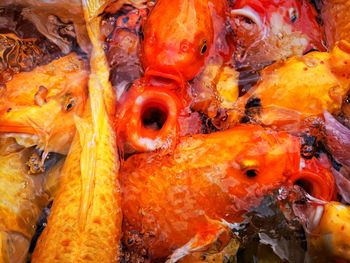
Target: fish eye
{"x":293,"y":14}
{"x":251,"y":173}
{"x":204,"y":47}
{"x":70,"y":103}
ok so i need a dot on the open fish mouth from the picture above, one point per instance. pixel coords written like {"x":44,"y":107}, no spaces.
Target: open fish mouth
{"x":250,"y":16}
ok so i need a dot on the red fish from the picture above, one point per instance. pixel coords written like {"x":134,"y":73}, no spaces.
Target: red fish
{"x":179,"y":201}
{"x":179,"y":36}
{"x":270,"y":30}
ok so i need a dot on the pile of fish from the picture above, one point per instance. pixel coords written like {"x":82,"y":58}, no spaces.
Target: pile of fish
{"x":174,"y":131}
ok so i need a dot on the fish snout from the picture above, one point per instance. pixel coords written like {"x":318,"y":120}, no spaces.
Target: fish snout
{"x":168,"y":77}
{"x":315,"y":179}
{"x":248,"y":25}
{"x":150,"y":121}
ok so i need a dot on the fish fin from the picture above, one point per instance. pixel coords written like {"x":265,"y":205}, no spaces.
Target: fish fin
{"x":87,"y":166}
{"x":213,"y":238}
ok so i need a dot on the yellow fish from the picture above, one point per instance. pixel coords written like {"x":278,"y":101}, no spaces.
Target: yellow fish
{"x":300,"y":87}
{"x":22,"y":199}
{"x":85,"y":220}
{"x":329,"y":232}
{"x":41,"y":104}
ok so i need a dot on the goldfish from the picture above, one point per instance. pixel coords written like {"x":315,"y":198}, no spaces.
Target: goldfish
{"x":336,"y":20}
{"x":328,"y":231}
{"x":299,"y":88}
{"x":147,"y":118}
{"x":23,"y":196}
{"x":179,"y":36}
{"x":178,"y":203}
{"x":38,"y":107}
{"x":271,"y":30}
{"x":85,"y":220}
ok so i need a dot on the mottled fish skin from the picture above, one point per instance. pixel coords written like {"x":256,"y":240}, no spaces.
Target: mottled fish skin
{"x":300,"y":87}
{"x":45,"y":104}
{"x":171,"y":199}
{"x":85,"y":221}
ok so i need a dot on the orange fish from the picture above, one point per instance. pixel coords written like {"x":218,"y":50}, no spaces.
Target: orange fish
{"x":269,"y":30}
{"x":179,"y":36}
{"x":147,"y":118}
{"x":42,"y":103}
{"x":178,"y":203}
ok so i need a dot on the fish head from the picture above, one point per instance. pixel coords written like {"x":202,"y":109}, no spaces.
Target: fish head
{"x":45,"y":105}
{"x":177,"y":38}
{"x":147,"y":118}
{"x":264,"y":161}
{"x":289,"y":26}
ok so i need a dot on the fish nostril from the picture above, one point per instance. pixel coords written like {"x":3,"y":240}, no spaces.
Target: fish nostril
{"x":154,"y":117}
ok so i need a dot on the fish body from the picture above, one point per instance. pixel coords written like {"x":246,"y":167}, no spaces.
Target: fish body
{"x":300,"y":87}
{"x":270,"y":30}
{"x":329,"y":232}
{"x":22,"y":200}
{"x":83,"y":225}
{"x":336,"y":20}
{"x":43,"y":102}
{"x":179,"y":36}
{"x":209,"y":178}
{"x":85,"y":220}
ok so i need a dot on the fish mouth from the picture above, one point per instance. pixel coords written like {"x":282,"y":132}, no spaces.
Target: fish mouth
{"x":316,"y":180}
{"x":250,"y":15}
{"x":154,"y":121}
{"x":167,"y":79}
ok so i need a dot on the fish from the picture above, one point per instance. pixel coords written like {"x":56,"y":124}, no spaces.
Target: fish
{"x":22,"y":199}
{"x":147,"y":118}
{"x":328,"y":232}
{"x":272,"y":30}
{"x":337,"y":138}
{"x":43,"y":14}
{"x":336,"y":20}
{"x":183,"y":202}
{"x":41,"y":103}
{"x":298,"y":88}
{"x":85,"y":220}
{"x":179,"y":36}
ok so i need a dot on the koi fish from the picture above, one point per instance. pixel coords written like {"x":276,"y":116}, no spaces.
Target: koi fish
{"x":178,"y":203}
{"x":42,"y":103}
{"x":336,"y":19}
{"x":300,"y":87}
{"x":178,"y":37}
{"x":147,"y":118}
{"x":85,"y":220}
{"x":328,"y":231}
{"x":22,"y":199}
{"x":271,"y":30}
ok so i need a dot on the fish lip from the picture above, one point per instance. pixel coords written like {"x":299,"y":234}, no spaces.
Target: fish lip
{"x":250,"y":13}
{"x":166,"y":78}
